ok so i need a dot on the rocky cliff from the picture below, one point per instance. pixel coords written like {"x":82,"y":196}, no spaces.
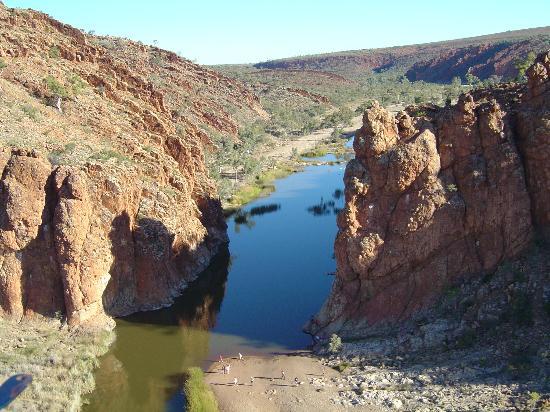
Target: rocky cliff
{"x":435,"y":196}
{"x":105,"y":204}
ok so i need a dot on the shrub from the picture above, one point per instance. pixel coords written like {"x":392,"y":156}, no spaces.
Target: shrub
{"x":77,"y":84}
{"x":466,"y":340}
{"x":31,"y":112}
{"x":55,"y":87}
{"x":341,"y":367}
{"x":335,"y":344}
{"x":523,"y":64}
{"x":54,"y":52}
{"x":3,"y":63}
{"x":341,"y":117}
{"x":198,"y":396}
{"x":107,"y":154}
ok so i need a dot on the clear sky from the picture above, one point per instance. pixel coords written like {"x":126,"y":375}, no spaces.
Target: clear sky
{"x":248,"y":31}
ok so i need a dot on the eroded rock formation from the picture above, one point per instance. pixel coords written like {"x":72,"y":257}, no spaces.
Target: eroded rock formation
{"x":106,"y":207}
{"x":67,"y":246}
{"x":435,"y":195}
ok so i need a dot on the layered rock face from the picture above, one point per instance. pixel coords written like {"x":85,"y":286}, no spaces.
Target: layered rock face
{"x":435,"y":195}
{"x":69,"y":246}
{"x":106,"y":207}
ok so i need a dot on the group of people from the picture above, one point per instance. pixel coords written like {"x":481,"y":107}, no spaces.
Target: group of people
{"x":226,"y":369}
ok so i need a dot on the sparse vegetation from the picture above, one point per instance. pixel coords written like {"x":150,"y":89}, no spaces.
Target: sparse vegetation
{"x":521,"y":309}
{"x":78,"y":85}
{"x":61,"y":362}
{"x":54,"y":52}
{"x":341,"y":367}
{"x":107,"y":154}
{"x":340,"y":118}
{"x":55,"y":87}
{"x":31,"y":112}
{"x":466,"y":340}
{"x":523,"y":64}
{"x":335,"y":344}
{"x":3,"y":63}
{"x":199,"y":397}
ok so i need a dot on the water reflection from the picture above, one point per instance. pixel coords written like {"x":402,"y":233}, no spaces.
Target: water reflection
{"x":275,"y":284}
{"x":244,"y":217}
{"x":143,"y":370}
{"x":327,"y":207}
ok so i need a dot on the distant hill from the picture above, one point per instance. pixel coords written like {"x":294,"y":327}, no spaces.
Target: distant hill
{"x":482,"y":56}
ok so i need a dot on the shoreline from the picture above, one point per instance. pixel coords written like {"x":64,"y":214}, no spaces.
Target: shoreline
{"x":286,"y":163}
{"x":318,"y":385}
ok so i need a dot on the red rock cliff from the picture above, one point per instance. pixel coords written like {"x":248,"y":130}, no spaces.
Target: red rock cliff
{"x":105,"y":203}
{"x":432,"y":198}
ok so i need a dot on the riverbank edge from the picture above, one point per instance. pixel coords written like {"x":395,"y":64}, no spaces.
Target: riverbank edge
{"x":262,"y":184}
{"x":61,"y":360}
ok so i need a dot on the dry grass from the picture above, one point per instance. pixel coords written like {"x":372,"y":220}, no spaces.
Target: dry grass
{"x":61,"y":362}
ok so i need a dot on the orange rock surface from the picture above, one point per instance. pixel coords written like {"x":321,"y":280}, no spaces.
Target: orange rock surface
{"x":435,"y":195}
{"x":105,"y":203}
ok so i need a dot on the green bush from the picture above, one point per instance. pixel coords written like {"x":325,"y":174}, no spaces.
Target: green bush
{"x":199,"y":397}
{"x":54,"y":52}
{"x":30,"y":111}
{"x":335,"y":344}
{"x":340,"y":118}
{"x":3,"y":63}
{"x":341,"y":367}
{"x":523,"y":64}
{"x":55,"y":86}
{"x":77,"y":84}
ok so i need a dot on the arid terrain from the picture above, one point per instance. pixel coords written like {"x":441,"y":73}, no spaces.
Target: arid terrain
{"x":118,"y":159}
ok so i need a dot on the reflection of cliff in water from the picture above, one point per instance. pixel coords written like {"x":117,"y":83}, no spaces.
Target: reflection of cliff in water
{"x":158,"y":346}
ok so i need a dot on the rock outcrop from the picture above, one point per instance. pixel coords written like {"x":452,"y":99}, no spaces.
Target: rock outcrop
{"x":436,"y":195}
{"x":106,"y":207}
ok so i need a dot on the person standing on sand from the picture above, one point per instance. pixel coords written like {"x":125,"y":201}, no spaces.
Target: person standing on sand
{"x":283,"y":376}
{"x":221,"y":359}
{"x":240,"y":356}
{"x":252,"y":381}
{"x":228,"y":368}
{"x":235,"y":381}
{"x":224,"y":370}
{"x":296,"y":382}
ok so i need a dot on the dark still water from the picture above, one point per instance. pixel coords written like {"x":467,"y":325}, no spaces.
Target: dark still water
{"x":254,"y":298}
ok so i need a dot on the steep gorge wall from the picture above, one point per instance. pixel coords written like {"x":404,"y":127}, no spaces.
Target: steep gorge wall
{"x":85,"y":243}
{"x":106,"y":207}
{"x":436,"y":198}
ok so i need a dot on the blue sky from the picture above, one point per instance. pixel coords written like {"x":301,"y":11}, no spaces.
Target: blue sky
{"x":245,"y":31}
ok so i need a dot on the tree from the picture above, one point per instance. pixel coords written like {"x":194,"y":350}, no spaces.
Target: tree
{"x":523,"y":64}
{"x":471,"y":79}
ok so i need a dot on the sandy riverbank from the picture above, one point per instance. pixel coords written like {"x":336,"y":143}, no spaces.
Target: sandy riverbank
{"x":286,"y":149}
{"x":318,"y":385}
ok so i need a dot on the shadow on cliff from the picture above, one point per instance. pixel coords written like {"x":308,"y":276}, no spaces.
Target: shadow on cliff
{"x":42,"y":286}
{"x":151,"y":266}
{"x":199,"y":303}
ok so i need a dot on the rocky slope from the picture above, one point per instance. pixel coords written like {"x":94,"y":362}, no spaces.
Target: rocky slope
{"x":435,"y":196}
{"x":105,"y":203}
{"x":483,"y":56}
